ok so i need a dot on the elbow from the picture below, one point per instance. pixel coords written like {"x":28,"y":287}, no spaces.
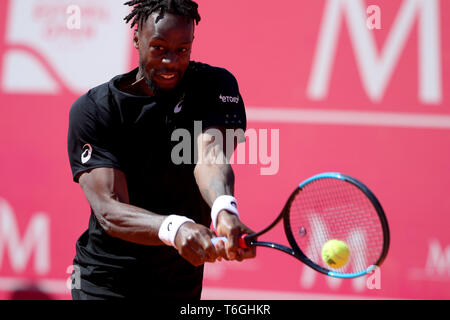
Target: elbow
{"x":106,"y":225}
{"x":104,"y":218}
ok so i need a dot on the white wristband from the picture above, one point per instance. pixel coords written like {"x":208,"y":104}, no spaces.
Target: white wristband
{"x":169,"y":228}
{"x":228,"y":203}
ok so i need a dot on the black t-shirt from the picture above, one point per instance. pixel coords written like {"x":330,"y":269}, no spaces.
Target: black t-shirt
{"x":111,"y":128}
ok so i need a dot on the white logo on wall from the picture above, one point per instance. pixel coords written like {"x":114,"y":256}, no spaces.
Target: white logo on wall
{"x":376,"y":66}
{"x":35,"y":242}
{"x":86,"y":154}
{"x":437,"y":264}
{"x":57,"y":58}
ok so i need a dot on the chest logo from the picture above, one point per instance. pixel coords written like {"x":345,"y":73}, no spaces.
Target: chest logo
{"x":229,"y":99}
{"x":179,"y":106}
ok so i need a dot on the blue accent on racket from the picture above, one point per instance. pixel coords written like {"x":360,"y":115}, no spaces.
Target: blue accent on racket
{"x":351,"y":275}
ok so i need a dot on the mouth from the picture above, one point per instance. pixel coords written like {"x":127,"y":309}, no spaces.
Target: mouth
{"x":165,"y":79}
{"x":168,"y":76}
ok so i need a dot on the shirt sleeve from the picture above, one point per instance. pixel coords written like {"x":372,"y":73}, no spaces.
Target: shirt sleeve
{"x":90,"y":140}
{"x":225,"y":106}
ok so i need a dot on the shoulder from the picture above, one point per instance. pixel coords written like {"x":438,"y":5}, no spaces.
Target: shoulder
{"x":93,"y":105}
{"x":210,"y":75}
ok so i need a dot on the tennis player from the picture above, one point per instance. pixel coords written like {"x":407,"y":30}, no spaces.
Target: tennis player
{"x":149,"y":232}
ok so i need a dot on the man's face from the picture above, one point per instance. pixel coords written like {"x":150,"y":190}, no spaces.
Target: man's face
{"x":164,"y":45}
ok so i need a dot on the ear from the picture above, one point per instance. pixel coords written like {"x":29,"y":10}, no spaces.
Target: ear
{"x":136,"y":39}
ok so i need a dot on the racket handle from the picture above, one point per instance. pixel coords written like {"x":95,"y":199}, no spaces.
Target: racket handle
{"x":242,"y":243}
{"x":215,"y":240}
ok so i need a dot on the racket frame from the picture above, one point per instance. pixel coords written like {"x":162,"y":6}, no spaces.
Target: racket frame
{"x":380,"y":213}
{"x":296,"y":252}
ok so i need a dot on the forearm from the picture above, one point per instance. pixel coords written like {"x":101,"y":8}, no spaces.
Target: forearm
{"x":214,"y":180}
{"x":133,"y":224}
{"x":129,"y":223}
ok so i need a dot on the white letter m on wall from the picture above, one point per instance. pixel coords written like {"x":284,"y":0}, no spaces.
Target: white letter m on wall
{"x":36,"y":238}
{"x":376,"y":69}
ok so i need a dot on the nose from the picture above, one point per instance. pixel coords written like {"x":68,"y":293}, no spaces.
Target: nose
{"x":170,"y":58}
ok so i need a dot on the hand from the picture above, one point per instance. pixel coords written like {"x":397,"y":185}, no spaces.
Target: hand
{"x":230,"y":226}
{"x":193,"y":242}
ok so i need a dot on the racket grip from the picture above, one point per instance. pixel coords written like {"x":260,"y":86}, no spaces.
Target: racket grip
{"x":242,"y":243}
{"x":215,"y":240}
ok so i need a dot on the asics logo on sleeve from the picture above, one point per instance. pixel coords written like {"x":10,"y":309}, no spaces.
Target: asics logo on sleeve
{"x":229,"y":99}
{"x":86,"y":154}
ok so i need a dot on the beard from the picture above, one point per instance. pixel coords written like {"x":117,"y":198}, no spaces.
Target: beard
{"x":158,"y":91}
{"x":151,"y":84}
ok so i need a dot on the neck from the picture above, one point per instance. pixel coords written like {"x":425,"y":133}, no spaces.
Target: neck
{"x":140,"y":85}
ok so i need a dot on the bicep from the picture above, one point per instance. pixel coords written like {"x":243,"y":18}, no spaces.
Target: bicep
{"x":103,"y":185}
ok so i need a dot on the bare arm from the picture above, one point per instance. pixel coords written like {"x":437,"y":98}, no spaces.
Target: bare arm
{"x":215,"y":177}
{"x":107,"y":192}
{"x":213,"y":174}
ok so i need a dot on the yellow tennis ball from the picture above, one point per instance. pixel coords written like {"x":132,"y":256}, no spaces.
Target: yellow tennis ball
{"x":335,"y":253}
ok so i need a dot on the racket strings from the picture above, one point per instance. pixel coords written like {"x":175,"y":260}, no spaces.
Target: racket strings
{"x":335,"y":209}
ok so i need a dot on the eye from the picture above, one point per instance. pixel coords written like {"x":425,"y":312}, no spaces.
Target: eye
{"x":183,"y":50}
{"x":158,"y":48}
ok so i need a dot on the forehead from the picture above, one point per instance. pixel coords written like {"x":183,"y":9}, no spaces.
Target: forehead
{"x":167,"y":26}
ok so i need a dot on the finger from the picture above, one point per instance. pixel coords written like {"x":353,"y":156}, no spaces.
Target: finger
{"x":193,"y":252}
{"x":210,"y":252}
{"x":239,"y":255}
{"x":195,"y":257}
{"x":208,"y":248}
{"x":220,"y":249}
{"x":247,"y":253}
{"x":231,"y":246}
{"x":199,"y":255}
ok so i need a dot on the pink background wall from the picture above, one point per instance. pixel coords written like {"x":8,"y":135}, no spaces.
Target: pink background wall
{"x":383,"y":116}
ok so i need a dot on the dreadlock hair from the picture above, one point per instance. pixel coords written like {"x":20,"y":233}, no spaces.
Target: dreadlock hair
{"x":142,"y":9}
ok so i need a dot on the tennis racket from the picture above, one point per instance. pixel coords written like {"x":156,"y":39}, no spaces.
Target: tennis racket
{"x":331,"y":206}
